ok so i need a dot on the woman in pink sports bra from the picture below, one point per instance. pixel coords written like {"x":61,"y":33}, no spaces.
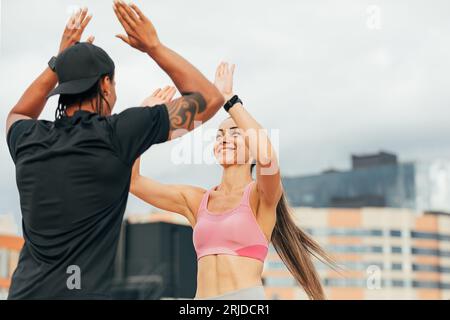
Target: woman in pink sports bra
{"x":234,"y":222}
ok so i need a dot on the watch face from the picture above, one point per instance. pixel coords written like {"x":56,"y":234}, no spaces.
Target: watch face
{"x":234,"y":99}
{"x":230,"y":103}
{"x":52,"y":63}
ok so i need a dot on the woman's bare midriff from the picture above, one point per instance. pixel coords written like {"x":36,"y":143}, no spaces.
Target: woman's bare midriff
{"x":219,"y":274}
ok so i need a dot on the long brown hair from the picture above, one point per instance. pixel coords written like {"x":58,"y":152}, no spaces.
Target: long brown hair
{"x":296,"y":249}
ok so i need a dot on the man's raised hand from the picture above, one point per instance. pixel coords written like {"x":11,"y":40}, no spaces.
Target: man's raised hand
{"x":140,"y":32}
{"x":74,"y":29}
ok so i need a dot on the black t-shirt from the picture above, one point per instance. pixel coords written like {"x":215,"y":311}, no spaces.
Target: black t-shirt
{"x":73,"y":177}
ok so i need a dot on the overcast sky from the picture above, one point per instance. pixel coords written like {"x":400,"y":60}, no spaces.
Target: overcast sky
{"x":328,"y":75}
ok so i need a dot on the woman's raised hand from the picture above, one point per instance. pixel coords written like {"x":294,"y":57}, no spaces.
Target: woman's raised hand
{"x":160,"y":96}
{"x":224,"y":79}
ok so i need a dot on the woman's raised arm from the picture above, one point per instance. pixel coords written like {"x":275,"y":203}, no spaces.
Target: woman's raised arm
{"x":268,"y":173}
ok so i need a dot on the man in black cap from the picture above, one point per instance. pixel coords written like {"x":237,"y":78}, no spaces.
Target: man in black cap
{"x":73,"y":174}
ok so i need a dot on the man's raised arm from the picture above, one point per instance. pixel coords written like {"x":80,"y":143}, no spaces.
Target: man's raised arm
{"x":34,"y":98}
{"x":200,"y":98}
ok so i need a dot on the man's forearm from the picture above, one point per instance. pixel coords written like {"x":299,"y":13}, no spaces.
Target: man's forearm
{"x":187,"y":78}
{"x":34,"y":98}
{"x":180,"y":70}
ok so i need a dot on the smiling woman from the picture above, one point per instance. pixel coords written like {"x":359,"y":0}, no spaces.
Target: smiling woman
{"x":234,"y":223}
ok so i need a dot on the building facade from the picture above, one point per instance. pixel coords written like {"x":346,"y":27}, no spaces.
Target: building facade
{"x":10,"y":247}
{"x":384,"y":254}
{"x":417,"y":186}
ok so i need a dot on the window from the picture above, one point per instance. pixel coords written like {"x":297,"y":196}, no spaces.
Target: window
{"x":431,"y":252}
{"x":359,"y":266}
{"x":426,"y":284}
{"x":395,"y":233}
{"x":425,"y":267}
{"x":279,"y":282}
{"x":396,"y":250}
{"x":376,"y":233}
{"x":430,"y":268}
{"x":397,"y":266}
{"x":430,"y":235}
{"x":425,"y":251}
{"x":376,"y":249}
{"x":354,"y":249}
{"x":445,"y":269}
{"x":398,"y":283}
{"x":347,"y":232}
{"x":445,"y":286}
{"x":342,"y":282}
{"x":424,"y":235}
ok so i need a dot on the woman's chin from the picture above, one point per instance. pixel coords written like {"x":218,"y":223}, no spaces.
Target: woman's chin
{"x":224,"y":162}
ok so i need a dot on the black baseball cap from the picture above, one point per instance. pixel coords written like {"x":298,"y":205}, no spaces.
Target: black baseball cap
{"x":79,"y":67}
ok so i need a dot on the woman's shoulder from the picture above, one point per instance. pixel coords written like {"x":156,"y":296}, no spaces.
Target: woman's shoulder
{"x":193,"y":195}
{"x":194,"y":191}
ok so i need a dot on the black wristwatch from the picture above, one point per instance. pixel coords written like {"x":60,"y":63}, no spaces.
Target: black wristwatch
{"x":230,"y":103}
{"x":52,"y":63}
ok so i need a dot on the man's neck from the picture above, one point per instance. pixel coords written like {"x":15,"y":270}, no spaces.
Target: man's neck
{"x":70,"y":110}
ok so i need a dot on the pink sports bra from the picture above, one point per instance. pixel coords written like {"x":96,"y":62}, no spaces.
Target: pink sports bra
{"x":234,"y":232}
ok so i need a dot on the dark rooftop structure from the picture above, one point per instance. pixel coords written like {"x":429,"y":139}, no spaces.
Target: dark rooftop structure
{"x":375,"y":180}
{"x":373,"y":160}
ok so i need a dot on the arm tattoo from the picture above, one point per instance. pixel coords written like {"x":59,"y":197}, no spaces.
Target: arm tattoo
{"x":182,"y":111}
